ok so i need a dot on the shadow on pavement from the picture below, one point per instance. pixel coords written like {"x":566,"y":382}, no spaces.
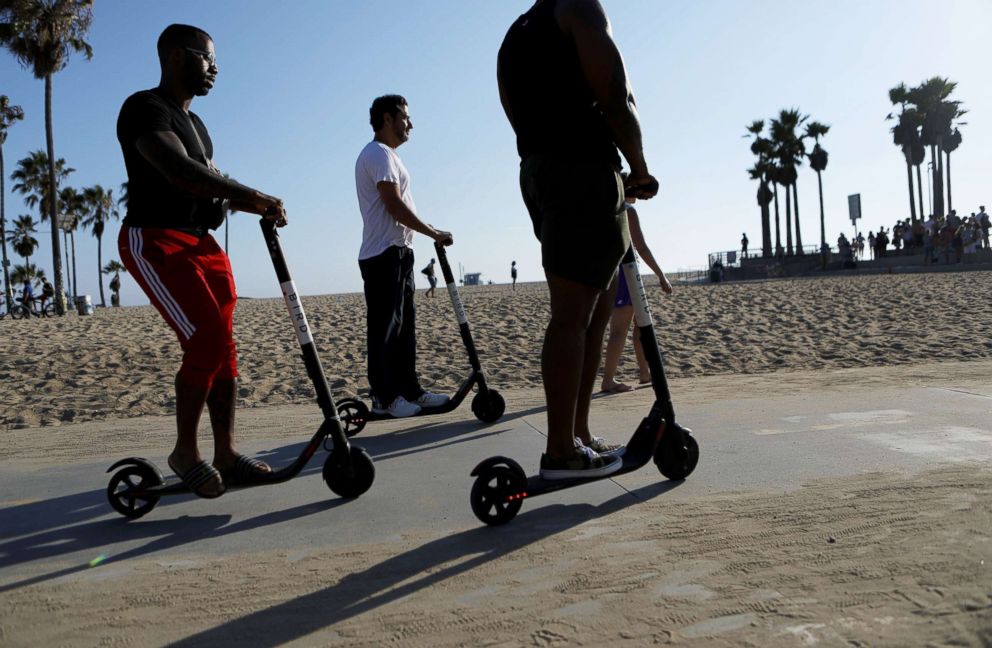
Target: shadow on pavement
{"x":416,"y":569}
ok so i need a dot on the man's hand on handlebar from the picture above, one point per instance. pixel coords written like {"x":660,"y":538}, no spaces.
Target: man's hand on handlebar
{"x":442,"y":237}
{"x":641,"y":187}
{"x":275,"y":212}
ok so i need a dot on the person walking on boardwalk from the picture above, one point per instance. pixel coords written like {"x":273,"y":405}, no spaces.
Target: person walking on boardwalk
{"x":176,"y":195}
{"x":623,"y":313}
{"x":431,"y":278}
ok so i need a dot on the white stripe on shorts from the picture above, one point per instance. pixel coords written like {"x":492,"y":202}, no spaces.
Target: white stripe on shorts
{"x":162,"y":294}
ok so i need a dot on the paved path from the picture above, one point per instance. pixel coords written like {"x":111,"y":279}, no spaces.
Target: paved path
{"x":54,"y":518}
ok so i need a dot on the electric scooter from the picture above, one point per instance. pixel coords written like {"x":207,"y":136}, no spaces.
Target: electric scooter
{"x":487,"y":405}
{"x":136,"y":487}
{"x":501,"y":485}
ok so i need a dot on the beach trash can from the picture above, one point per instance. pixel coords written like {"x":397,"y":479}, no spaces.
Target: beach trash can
{"x":84,"y":305}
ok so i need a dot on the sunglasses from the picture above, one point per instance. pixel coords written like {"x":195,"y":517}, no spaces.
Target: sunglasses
{"x":209,"y":57}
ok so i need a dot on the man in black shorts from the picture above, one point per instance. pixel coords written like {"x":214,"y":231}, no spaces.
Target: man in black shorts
{"x":564,"y":89}
{"x":176,"y":195}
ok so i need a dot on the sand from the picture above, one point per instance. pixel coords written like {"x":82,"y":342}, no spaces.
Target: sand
{"x":121,"y":362}
{"x":878,"y":559}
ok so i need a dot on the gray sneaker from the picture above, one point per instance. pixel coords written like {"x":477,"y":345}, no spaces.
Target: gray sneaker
{"x":584,"y":464}
{"x":603,"y":447}
{"x":402,"y":408}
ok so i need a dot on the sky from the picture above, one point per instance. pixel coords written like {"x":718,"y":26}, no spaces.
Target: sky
{"x":289,"y":115}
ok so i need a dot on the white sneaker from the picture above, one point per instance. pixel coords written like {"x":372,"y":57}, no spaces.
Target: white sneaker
{"x":401,"y":408}
{"x":428,"y":399}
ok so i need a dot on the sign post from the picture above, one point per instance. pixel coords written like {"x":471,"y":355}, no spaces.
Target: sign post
{"x":854,"y":209}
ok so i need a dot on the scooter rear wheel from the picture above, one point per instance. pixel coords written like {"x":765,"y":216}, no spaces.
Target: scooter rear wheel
{"x":677,"y":460}
{"x":349,"y":475}
{"x":354,"y":415}
{"x":489,"y":493}
{"x":134,"y":477}
{"x":488,"y":406}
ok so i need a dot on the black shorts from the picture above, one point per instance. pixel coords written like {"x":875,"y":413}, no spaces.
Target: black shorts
{"x":575,"y":207}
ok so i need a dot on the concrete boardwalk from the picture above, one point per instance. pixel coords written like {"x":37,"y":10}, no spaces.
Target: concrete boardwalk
{"x":54,"y":518}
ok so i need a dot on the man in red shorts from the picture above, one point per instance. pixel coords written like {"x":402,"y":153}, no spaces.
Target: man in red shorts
{"x":176,"y":195}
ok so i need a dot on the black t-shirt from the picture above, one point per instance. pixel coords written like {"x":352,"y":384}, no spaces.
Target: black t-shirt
{"x":152,"y":200}
{"x":554,"y":109}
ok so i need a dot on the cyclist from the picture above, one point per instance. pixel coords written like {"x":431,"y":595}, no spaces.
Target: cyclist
{"x":27,"y":294}
{"x":47,"y":292}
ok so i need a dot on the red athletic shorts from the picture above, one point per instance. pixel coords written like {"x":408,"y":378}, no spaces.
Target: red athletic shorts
{"x":189,"y":281}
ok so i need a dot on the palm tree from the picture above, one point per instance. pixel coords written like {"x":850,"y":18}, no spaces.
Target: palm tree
{"x":8,"y":115}
{"x":28,"y":272}
{"x":114,"y":267}
{"x":918,"y":153}
{"x":31,"y":181}
{"x":950,"y":144}
{"x":790,"y":150}
{"x":100,"y":208}
{"x":125,"y":195}
{"x":42,"y":34}
{"x":773,"y":174}
{"x":906,"y":135}
{"x":931,"y":100}
{"x":762,"y":147}
{"x":72,"y":208}
{"x":21,"y":237}
{"x":818,"y":162}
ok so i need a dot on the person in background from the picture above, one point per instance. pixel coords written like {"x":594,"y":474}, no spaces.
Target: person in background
{"x":431,"y":278}
{"x":513,"y":273}
{"x":27,"y":294}
{"x":983,"y":223}
{"x":623,"y":313}
{"x":47,"y":292}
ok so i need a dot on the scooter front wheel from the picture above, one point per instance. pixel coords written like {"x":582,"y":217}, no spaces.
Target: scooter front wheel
{"x":677,"y":460}
{"x":349,"y":475}
{"x":354,"y":415}
{"x":491,"y":492}
{"x":488,"y":406}
{"x":132,"y":478}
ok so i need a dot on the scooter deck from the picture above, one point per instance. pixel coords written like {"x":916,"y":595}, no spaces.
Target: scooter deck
{"x":449,"y":406}
{"x":640,"y":450}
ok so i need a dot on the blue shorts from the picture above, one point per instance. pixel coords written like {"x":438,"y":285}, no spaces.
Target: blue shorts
{"x":623,"y":292}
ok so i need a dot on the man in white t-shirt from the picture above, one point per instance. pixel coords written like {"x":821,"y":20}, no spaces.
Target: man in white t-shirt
{"x":386,"y":262}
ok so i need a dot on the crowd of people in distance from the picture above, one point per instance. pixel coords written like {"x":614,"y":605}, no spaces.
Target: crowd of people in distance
{"x":939,"y":240}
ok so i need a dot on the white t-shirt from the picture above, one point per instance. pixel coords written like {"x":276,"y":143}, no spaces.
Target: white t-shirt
{"x":379,"y":163}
